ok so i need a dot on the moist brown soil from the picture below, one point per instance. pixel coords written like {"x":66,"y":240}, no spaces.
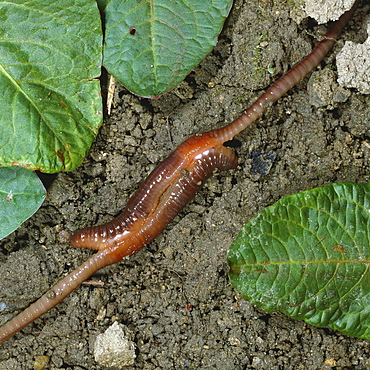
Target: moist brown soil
{"x":174,"y":296}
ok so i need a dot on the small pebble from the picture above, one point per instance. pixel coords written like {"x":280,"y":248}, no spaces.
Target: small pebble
{"x":113,"y":348}
{"x":40,"y":362}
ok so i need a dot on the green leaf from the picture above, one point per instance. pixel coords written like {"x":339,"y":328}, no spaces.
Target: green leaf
{"x":50,"y":57}
{"x":102,"y":4}
{"x":308,"y":256}
{"x":150,"y":46}
{"x":21,"y":194}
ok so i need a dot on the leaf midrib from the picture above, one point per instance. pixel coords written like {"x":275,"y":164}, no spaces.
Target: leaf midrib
{"x":152,"y":31}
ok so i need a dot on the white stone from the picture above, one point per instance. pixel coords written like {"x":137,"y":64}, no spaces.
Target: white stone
{"x":327,"y":10}
{"x":353,"y":63}
{"x":113,"y":348}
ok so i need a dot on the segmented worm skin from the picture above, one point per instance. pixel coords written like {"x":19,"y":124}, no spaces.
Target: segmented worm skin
{"x":290,"y":79}
{"x":171,"y":185}
{"x":159,"y":199}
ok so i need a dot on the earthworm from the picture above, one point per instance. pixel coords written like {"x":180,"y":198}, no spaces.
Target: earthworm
{"x":171,"y":185}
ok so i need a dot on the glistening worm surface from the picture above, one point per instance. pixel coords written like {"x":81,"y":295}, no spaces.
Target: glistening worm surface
{"x":165,"y":192}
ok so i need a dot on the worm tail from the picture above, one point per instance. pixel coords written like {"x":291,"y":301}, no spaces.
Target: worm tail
{"x":54,"y":295}
{"x":286,"y":82}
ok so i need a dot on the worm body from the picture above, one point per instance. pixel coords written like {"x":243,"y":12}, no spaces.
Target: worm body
{"x":53,"y":296}
{"x":154,"y":205}
{"x":171,"y":185}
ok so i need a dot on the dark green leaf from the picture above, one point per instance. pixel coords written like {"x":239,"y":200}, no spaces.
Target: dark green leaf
{"x":308,"y":256}
{"x":21,"y":194}
{"x":150,"y":46}
{"x":50,"y":56}
{"x":102,"y":4}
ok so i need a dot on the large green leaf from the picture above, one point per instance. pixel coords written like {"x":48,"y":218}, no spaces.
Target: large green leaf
{"x":150,"y":46}
{"x":50,"y":56}
{"x":308,"y":256}
{"x":21,"y":194}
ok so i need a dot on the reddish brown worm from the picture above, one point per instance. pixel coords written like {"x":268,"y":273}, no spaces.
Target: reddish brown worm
{"x":171,"y":185}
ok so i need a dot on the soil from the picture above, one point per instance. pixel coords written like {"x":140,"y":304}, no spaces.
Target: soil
{"x":174,"y":296}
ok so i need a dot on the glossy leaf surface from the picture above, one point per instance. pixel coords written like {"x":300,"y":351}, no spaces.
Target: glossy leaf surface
{"x":308,"y":256}
{"x":150,"y":46}
{"x":50,"y":57}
